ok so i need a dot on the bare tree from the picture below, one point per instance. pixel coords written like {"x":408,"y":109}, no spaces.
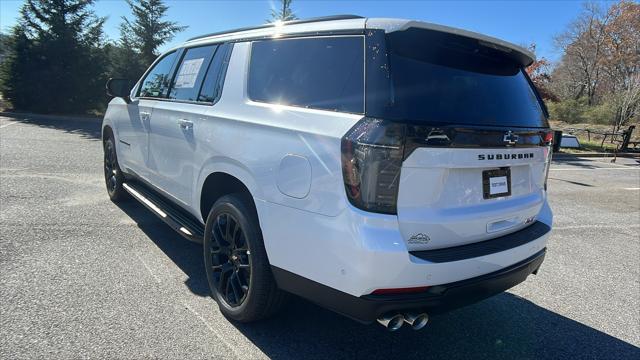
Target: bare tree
{"x":582,"y":45}
{"x":627,"y":102}
{"x":601,"y":62}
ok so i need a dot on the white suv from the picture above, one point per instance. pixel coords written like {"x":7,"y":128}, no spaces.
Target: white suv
{"x":385,"y":169}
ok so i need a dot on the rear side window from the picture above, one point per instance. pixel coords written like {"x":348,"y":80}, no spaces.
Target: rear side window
{"x":321,"y":73}
{"x":188,"y":79}
{"x":213,"y":81}
{"x":156,"y":83}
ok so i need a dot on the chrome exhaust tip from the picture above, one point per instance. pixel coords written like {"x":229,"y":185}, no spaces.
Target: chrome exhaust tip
{"x":392,"y":322}
{"x":417,"y":321}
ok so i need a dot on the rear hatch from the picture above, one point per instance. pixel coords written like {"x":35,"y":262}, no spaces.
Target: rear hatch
{"x":476,"y":138}
{"x":452,"y":196}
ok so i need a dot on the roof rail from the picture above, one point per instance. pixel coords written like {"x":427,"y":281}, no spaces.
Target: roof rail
{"x":292,"y":22}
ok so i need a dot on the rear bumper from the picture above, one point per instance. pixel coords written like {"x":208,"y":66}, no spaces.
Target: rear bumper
{"x":436,"y":299}
{"x":357,"y":253}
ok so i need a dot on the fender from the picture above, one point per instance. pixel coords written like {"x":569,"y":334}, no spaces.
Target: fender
{"x":223,"y":164}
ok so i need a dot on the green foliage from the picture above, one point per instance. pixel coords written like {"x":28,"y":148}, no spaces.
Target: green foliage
{"x":283,"y":13}
{"x":124,"y":61}
{"x":569,"y":110}
{"x":577,"y":111}
{"x":55,"y":63}
{"x":604,"y":114}
{"x":4,"y":45}
{"x":56,"y":60}
{"x":147,"y":31}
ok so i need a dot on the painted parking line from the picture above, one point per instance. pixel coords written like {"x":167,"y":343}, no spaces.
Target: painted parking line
{"x":9,"y":124}
{"x":602,"y":168}
{"x":638,"y":188}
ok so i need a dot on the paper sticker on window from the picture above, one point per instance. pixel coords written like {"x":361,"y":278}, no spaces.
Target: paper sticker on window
{"x":189,"y":70}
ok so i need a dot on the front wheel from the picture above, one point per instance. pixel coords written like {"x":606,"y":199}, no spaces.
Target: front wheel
{"x":113,"y":176}
{"x":237,"y":267}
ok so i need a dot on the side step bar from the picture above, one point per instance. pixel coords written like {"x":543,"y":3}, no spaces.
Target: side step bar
{"x":176,"y":218}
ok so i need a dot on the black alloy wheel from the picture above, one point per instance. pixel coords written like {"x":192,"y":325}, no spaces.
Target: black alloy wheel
{"x":110,"y":167}
{"x":113,"y":176}
{"x":230,"y":259}
{"x":236,"y":262}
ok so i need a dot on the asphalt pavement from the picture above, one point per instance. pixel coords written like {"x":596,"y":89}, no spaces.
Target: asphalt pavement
{"x":81,"y":277}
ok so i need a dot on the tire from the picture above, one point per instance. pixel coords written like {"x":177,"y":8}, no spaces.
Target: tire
{"x":113,"y":176}
{"x":238,"y":271}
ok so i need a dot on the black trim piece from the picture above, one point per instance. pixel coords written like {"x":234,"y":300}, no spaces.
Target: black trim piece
{"x":437,"y":299}
{"x":293,"y":22}
{"x":175,"y":217}
{"x":482,"y":248}
{"x":471,"y":137}
{"x":124,"y":142}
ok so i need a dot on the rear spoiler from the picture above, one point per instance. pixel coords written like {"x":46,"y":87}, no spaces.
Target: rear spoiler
{"x":521,"y":55}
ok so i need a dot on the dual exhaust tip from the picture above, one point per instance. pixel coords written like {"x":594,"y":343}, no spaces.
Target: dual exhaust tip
{"x":395,"y":321}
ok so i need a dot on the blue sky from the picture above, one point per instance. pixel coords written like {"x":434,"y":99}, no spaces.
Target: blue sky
{"x":521,"y":22}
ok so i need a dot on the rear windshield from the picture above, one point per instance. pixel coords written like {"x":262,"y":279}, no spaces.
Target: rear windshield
{"x":452,"y":80}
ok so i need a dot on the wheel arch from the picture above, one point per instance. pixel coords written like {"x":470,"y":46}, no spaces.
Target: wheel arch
{"x":222,"y":177}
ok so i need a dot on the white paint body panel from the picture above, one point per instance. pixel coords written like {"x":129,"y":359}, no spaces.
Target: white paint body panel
{"x":290,"y":160}
{"x":441,"y":195}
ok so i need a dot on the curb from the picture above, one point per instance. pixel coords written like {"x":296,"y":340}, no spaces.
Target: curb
{"x":565,"y":156}
{"x":51,"y":117}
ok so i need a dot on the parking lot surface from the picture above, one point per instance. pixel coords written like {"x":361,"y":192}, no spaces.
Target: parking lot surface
{"x":82,"y":277}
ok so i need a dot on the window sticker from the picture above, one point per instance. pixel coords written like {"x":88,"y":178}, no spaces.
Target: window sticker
{"x":188,"y":73}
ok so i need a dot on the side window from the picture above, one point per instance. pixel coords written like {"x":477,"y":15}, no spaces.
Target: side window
{"x":156,"y":83}
{"x":321,"y":73}
{"x":186,"y":84}
{"x":212,"y":86}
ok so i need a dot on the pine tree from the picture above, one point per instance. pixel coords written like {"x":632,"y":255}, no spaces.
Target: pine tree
{"x":147,"y":30}
{"x":15,"y":71}
{"x":55,"y":63}
{"x":125,"y":62}
{"x":284,"y":13}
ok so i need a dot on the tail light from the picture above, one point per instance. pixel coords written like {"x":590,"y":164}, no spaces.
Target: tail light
{"x":372,"y":153}
{"x":547,"y":137}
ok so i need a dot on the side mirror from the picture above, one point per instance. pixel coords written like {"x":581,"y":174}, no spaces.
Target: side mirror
{"x":120,"y":88}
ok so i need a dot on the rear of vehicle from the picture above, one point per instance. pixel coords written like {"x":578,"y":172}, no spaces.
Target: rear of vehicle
{"x":384,"y":169}
{"x":445,"y":177}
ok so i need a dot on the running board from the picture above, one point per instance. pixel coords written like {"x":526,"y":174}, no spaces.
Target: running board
{"x":178,"y":219}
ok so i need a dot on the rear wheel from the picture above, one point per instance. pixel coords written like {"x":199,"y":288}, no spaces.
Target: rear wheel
{"x":237,"y":267}
{"x":113,"y":176}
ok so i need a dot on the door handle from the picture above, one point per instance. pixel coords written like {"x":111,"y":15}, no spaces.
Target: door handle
{"x":185,"y":124}
{"x":145,"y":115}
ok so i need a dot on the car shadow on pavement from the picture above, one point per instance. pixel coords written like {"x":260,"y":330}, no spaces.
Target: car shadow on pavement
{"x":505,"y":326}
{"x":87,"y":128}
{"x":184,"y":253}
